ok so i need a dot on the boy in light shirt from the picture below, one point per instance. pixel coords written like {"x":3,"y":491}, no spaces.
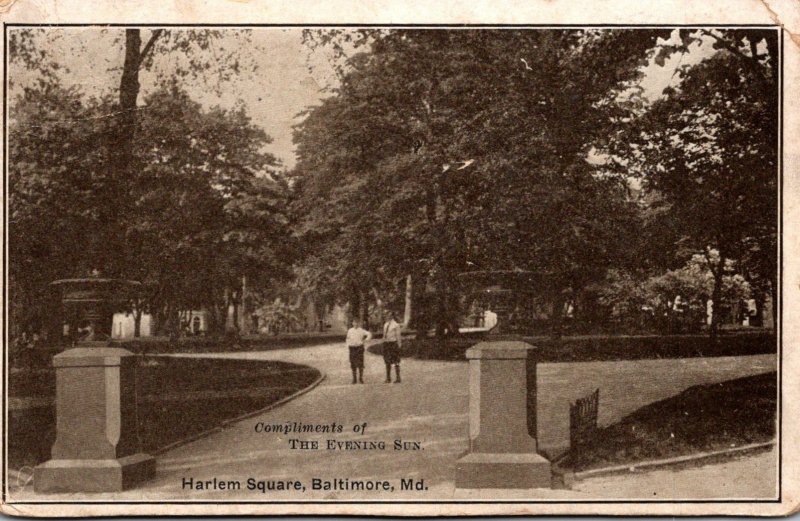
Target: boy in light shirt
{"x":356,"y":336}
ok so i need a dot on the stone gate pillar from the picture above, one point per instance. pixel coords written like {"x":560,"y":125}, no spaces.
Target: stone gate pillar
{"x":97,"y":447}
{"x":502,"y":451}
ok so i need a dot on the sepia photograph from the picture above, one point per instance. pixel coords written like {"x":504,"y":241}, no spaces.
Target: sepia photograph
{"x":366,"y":265}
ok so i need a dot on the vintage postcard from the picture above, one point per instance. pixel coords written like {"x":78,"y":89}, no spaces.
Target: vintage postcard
{"x":400,"y":258}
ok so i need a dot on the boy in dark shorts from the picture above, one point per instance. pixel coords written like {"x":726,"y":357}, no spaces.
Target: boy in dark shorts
{"x":356,"y":336}
{"x":392,"y":342}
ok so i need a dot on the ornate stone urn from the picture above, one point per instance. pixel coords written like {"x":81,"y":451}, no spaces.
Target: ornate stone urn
{"x":96,"y":447}
{"x":93,"y":301}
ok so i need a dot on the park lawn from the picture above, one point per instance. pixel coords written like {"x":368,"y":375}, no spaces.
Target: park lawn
{"x":177,"y":398}
{"x":31,"y":382}
{"x":702,"y":418}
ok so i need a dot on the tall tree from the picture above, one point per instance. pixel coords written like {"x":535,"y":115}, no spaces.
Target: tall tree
{"x":56,"y":162}
{"x":204,"y":211}
{"x":207,"y":209}
{"x":709,"y":149}
{"x":172,"y":56}
{"x":467,"y":148}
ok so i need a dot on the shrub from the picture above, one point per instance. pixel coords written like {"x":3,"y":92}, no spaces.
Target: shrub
{"x":607,"y":347}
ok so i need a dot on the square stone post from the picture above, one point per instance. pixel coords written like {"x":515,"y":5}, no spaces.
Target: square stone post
{"x":96,"y":447}
{"x":502,"y":452}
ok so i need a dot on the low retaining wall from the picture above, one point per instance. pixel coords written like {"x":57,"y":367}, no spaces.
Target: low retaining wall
{"x":625,"y":386}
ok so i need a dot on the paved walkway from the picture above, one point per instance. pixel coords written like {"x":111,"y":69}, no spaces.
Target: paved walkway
{"x":429,"y":408}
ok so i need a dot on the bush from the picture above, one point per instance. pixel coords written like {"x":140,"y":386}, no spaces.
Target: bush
{"x":429,"y":348}
{"x":146,"y":345}
{"x":609,"y":348}
{"x":605,"y":347}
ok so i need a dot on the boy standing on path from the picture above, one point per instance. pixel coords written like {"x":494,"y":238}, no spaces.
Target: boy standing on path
{"x":356,"y":336}
{"x":391,"y":347}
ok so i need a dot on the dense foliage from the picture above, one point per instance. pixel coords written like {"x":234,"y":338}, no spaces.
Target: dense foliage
{"x":438,"y":152}
{"x":448,"y":151}
{"x":451,"y":151}
{"x":709,"y":149}
{"x":160,"y":190}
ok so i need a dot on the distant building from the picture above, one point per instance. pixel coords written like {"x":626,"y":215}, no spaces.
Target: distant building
{"x":123,"y":326}
{"x":333,"y":318}
{"x":743,"y":313}
{"x":196,"y":322}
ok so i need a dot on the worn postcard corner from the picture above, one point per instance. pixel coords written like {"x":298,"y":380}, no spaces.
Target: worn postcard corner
{"x":455,"y":259}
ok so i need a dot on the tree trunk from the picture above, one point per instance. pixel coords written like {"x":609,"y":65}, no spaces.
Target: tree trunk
{"x":362,"y":313}
{"x":557,"y":315}
{"x":174,"y":324}
{"x":319,"y":316}
{"x":235,"y":318}
{"x":232,"y":310}
{"x":220,"y":315}
{"x":441,"y":306}
{"x":161,"y":319}
{"x":243,"y":315}
{"x":137,"y":322}
{"x":120,"y":177}
{"x":716,"y":298}
{"x":354,"y":307}
{"x":109,"y":248}
{"x":758,"y":319}
{"x":409,"y":295}
{"x":774,"y":294}
{"x":128,"y":93}
{"x":378,"y":306}
{"x":217,"y":314}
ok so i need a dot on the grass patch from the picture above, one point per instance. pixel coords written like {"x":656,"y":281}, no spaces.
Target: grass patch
{"x":702,"y":418}
{"x":176,"y":398}
{"x":31,"y":382}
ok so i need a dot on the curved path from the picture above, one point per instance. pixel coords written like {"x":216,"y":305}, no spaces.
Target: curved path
{"x":429,"y":408}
